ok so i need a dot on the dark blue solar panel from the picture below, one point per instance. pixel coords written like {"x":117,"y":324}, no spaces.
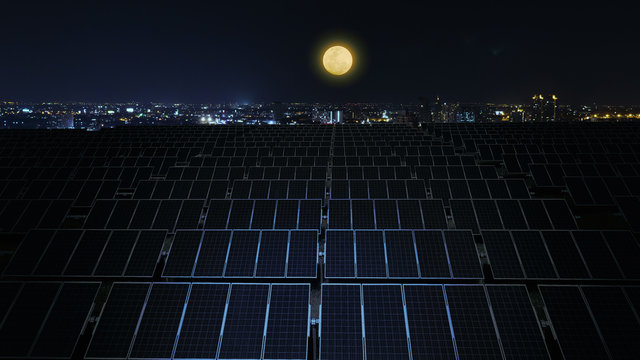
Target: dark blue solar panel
{"x":370,"y":254}
{"x":116,"y":254}
{"x":596,"y":254}
{"x":385,"y":329}
{"x":240,"y":214}
{"x":28,"y":254}
{"x":302,"y":256}
{"x":433,"y":214}
{"x":428,"y":321}
{"x":432,"y":254}
{"x":245,"y":322}
{"x":146,"y":253}
{"x":615,"y":319}
{"x":272,"y":255}
{"x":339,"y":214}
{"x":22,"y":324}
{"x":409,"y":214}
{"x":401,"y":255}
{"x":339,"y":254}
{"x":565,"y":255}
{"x":502,"y":255}
{"x":533,"y":255}
{"x":263,"y":214}
{"x":341,"y":322}
{"x":310,"y":213}
{"x":288,"y":322}
{"x":87,"y":253}
{"x":184,"y":251}
{"x":114,"y":332}
{"x":218,"y":214}
{"x":241,"y":260}
{"x":386,"y":214}
{"x":66,"y":320}
{"x":472,"y":324}
{"x":576,"y":332}
{"x":158,"y":327}
{"x":287,"y":214}
{"x":213,"y":254}
{"x":462,"y":254}
{"x":202,"y":324}
{"x":520,"y":334}
{"x":362,"y":214}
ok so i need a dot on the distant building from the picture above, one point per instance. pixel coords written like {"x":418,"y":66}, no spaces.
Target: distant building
{"x":336,"y":117}
{"x":544,"y":108}
{"x":277,"y":111}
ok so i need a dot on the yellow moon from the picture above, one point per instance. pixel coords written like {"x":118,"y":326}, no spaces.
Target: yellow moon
{"x":337,"y":60}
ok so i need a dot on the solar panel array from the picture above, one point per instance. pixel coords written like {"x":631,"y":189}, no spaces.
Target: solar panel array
{"x":455,"y":241}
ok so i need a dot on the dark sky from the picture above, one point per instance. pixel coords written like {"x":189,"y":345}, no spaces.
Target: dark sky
{"x":211,"y":51}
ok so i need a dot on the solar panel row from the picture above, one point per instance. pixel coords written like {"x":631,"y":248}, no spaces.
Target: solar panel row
{"x":238,"y":253}
{"x":401,"y":254}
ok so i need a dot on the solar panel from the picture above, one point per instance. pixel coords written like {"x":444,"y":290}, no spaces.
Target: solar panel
{"x":189,"y":217}
{"x":287,"y":214}
{"x":432,"y":254}
{"x":260,"y":190}
{"x":29,"y":252}
{"x":22,"y":323}
{"x":401,"y":255}
{"x":511,"y":214}
{"x":263,"y":214}
{"x":362,"y":214}
{"x":117,"y":324}
{"x":87,"y":253}
{"x":121,"y":215}
{"x":202,"y":324}
{"x":146,"y":253}
{"x":472,"y":323}
{"x":428,"y":322}
{"x":487,"y":214}
{"x":378,"y":189}
{"x":310,"y":214}
{"x":370,"y":254}
{"x":116,"y":254}
{"x":341,"y":322}
{"x":183,"y":253}
{"x":433,"y":214}
{"x":242,"y":255}
{"x":99,"y":214}
{"x":502,"y":254}
{"x":244,"y":323}
{"x":574,"y":328}
{"x":520,"y":333}
{"x":536,"y":214}
{"x":596,"y":254}
{"x":409,"y":214}
{"x":386,"y":214}
{"x":218,"y":214}
{"x":240,"y":214}
{"x":68,"y":315}
{"x":167,"y":215}
{"x":464,"y":215}
{"x":160,"y":321}
{"x":463,"y":255}
{"x":626,"y":250}
{"x":272,"y":254}
{"x":565,"y":255}
{"x":384,"y":322}
{"x":533,"y":254}
{"x":144,"y":215}
{"x":288,"y":322}
{"x":302,"y":255}
{"x":8,"y":293}
{"x":339,"y":254}
{"x":560,"y":214}
{"x":212,"y":255}
{"x":339,"y":189}
{"x":615,"y":320}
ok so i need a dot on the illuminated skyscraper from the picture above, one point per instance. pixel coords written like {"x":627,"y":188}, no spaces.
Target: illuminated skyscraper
{"x":544,"y":108}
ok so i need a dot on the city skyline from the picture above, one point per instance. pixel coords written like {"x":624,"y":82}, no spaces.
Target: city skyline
{"x":251,"y":52}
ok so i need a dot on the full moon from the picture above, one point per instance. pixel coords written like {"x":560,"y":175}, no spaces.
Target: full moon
{"x":337,"y":60}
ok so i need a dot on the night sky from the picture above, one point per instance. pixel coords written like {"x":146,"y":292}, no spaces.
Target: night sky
{"x":267,"y":51}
